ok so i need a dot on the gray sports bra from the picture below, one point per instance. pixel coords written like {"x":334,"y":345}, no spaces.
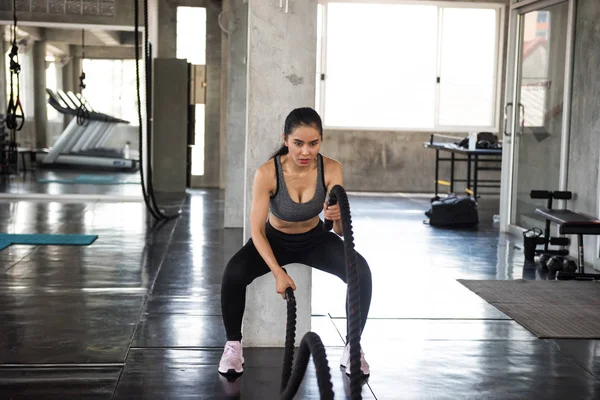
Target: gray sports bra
{"x":283,"y":207}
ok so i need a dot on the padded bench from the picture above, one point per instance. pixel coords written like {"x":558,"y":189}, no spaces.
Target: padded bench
{"x":572,"y":223}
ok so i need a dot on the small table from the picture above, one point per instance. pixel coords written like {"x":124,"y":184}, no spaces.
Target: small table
{"x":471,"y":157}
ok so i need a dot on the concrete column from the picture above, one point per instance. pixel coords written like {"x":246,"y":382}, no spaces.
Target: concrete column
{"x":266,"y":313}
{"x":39,"y":102}
{"x":4,"y":46}
{"x":67,"y":83}
{"x":67,"y":73}
{"x":76,"y":70}
{"x":281,"y":71}
{"x":212,"y":111}
{"x":237,"y":17}
{"x":223,"y":105}
{"x":162,"y":25}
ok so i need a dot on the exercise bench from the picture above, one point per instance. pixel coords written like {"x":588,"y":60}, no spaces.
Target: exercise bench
{"x":572,"y":223}
{"x":549,"y":196}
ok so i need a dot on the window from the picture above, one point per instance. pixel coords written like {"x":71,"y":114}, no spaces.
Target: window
{"x":191,"y":34}
{"x":191,"y":45}
{"x":110,"y":88}
{"x":409,"y":66}
{"x":468,"y":66}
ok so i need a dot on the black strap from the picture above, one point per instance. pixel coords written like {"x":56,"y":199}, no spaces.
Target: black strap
{"x":15,"y":117}
{"x":322,"y":171}
{"x":275,"y":159}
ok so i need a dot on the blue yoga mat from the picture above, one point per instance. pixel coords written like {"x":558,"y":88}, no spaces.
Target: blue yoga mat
{"x":6,"y":239}
{"x":91,"y":180}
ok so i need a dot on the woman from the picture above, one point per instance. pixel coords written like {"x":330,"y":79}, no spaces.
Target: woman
{"x":293,"y":186}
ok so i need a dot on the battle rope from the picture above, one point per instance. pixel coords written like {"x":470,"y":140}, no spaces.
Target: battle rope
{"x":147,"y":187}
{"x":83,"y":114}
{"x":311,"y":342}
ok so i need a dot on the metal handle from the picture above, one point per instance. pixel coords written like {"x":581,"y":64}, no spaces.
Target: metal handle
{"x":280,"y":3}
{"x":521,"y":118}
{"x":506,"y":118}
{"x":287,"y":6}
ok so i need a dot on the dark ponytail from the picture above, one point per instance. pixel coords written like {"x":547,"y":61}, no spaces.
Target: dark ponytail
{"x":304,"y":116}
{"x":283,"y":150}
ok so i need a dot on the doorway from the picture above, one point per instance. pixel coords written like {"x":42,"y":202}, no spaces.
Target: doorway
{"x":537,"y":108}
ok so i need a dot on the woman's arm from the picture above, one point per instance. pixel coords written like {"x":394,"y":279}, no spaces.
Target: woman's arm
{"x":258,"y":217}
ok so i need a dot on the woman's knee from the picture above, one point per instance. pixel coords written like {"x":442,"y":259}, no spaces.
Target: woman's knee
{"x":364,"y":271}
{"x":235,"y":273}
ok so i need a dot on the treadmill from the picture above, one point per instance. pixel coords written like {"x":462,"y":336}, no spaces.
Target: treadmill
{"x":82,"y":145}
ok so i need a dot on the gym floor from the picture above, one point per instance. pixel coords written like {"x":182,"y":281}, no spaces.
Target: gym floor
{"x":137,"y":314}
{"x":52,"y":181}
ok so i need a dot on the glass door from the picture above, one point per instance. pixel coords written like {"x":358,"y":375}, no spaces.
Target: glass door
{"x":538,"y":132}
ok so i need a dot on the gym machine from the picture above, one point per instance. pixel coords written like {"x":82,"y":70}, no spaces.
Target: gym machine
{"x":81,"y":143}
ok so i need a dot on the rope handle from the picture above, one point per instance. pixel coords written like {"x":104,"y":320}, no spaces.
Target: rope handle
{"x":328,"y":224}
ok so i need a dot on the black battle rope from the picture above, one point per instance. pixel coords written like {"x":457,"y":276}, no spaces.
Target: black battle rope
{"x":311,"y":342}
{"x":148,"y":194}
{"x":15,"y":117}
{"x":83,"y":114}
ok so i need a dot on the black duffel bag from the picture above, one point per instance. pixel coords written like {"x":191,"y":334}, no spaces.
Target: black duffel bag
{"x":453,"y":211}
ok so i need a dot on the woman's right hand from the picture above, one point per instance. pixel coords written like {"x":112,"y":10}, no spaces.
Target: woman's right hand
{"x":282,"y":282}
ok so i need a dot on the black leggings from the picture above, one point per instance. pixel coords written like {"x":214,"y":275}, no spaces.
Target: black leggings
{"x":319,"y":249}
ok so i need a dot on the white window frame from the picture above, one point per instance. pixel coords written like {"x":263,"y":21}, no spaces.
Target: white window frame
{"x":500,"y":28}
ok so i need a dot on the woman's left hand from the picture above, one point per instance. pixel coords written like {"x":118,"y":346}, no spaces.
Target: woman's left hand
{"x":332,"y":213}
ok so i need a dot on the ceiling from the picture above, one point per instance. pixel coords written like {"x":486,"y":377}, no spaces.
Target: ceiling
{"x":59,"y":40}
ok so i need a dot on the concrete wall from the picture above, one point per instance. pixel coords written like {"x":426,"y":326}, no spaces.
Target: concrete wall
{"x":584,"y":146}
{"x":380,"y":161}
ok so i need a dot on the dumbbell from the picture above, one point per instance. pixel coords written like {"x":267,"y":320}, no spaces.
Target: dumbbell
{"x":544,"y":258}
{"x":555,"y":264}
{"x":569,"y":266}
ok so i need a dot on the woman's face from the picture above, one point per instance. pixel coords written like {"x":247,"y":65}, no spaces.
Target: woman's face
{"x":303,"y":144}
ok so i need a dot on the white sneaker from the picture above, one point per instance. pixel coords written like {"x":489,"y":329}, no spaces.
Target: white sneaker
{"x":345,"y":361}
{"x":232,"y":359}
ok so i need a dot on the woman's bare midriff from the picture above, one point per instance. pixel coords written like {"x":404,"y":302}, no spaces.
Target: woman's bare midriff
{"x":293,"y":227}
